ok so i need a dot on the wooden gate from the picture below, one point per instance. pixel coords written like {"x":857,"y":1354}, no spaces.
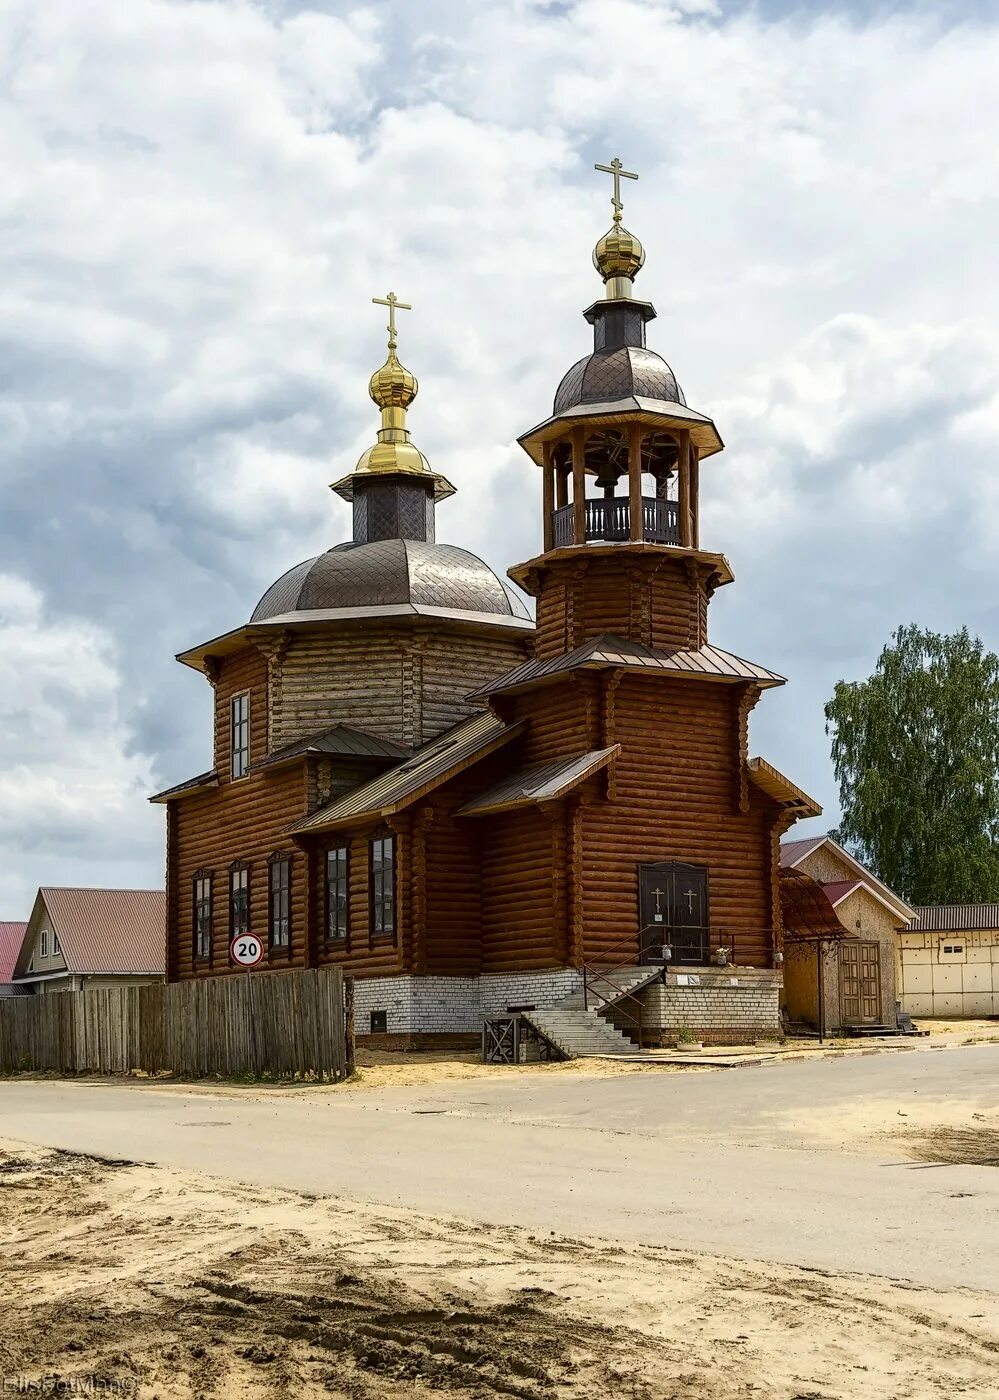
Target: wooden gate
{"x":859,"y":983}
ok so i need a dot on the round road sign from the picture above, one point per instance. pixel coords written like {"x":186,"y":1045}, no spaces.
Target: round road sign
{"x":246,"y":950}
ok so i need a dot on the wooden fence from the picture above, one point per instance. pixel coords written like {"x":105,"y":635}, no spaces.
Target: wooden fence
{"x":285,"y":1025}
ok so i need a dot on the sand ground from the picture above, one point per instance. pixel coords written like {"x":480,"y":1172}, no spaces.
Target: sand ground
{"x":165,"y":1284}
{"x":174,"y":1285}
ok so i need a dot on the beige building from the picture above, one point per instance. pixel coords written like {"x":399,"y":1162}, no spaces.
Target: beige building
{"x":87,"y":938}
{"x":949,"y":961}
{"x":859,"y":985}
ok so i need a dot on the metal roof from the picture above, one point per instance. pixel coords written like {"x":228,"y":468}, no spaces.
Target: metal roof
{"x":954,"y":918}
{"x":837,"y":890}
{"x":201,"y":783}
{"x":468,"y":741}
{"x":541,"y":782}
{"x":386,"y":572}
{"x":610,"y":650}
{"x":343,"y":740}
{"x":793,"y":851}
{"x":11,"y":938}
{"x":109,"y":931}
{"x":617,"y":372}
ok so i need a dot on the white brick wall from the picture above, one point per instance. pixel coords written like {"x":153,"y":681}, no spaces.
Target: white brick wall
{"x":429,"y":1005}
{"x":744,"y":1000}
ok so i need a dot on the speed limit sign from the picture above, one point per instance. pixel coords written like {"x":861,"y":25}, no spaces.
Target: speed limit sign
{"x":247,"y":950}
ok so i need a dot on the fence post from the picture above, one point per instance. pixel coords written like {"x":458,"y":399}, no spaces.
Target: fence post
{"x":350,"y":1033}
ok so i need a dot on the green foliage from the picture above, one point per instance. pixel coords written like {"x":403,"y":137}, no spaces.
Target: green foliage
{"x":916,"y":753}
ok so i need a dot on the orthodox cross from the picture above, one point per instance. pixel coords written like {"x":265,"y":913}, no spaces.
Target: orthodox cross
{"x":658,"y":894}
{"x":618,"y":171}
{"x":394,"y":304}
{"x":689,"y":896}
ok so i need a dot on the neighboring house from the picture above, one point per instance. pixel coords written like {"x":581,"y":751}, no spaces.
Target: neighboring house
{"x":859,"y":969}
{"x":11,"y":938}
{"x":85,"y":938}
{"x":949,"y":961}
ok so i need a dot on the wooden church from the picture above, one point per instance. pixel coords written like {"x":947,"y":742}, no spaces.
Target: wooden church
{"x":473,"y":812}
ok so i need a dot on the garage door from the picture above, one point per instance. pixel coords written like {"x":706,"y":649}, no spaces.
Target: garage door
{"x":950,"y":975}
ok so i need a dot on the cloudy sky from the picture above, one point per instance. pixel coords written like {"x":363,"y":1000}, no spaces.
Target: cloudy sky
{"x":200,"y":198}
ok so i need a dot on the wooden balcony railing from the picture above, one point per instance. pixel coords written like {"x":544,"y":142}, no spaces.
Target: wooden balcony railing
{"x":609,"y":518}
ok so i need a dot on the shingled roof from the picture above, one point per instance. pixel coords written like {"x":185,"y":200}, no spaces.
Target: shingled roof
{"x":611,"y":651}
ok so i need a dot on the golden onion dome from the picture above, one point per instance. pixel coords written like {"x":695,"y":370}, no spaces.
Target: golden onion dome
{"x":618,"y":254}
{"x":393,"y":386}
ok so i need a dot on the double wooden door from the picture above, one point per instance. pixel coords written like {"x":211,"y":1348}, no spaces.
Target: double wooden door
{"x":673,"y":912}
{"x":859,"y":983}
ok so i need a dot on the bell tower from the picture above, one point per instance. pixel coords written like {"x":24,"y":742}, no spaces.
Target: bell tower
{"x":620,"y":459}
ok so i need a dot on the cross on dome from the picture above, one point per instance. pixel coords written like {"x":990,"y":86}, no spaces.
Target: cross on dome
{"x":616,"y":168}
{"x":394,"y":304}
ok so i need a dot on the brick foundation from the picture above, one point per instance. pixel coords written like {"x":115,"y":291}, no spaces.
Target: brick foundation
{"x":731,"y":1005}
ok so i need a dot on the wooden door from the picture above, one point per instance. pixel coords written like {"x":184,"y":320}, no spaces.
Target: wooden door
{"x":673,"y":911}
{"x":859,"y":983}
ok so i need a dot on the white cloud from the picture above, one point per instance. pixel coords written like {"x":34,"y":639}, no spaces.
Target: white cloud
{"x":67,"y":771}
{"x":201,"y":198}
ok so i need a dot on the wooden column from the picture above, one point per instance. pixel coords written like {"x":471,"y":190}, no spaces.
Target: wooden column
{"x":548,"y":495}
{"x":683,"y":469}
{"x":695,"y":497}
{"x":635,"y":482}
{"x":578,"y":487}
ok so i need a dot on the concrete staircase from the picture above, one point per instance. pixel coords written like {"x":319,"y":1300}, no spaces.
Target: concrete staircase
{"x":576,"y":1029}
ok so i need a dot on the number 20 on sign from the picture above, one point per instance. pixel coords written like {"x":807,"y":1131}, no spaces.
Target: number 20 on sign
{"x":246,"y":950}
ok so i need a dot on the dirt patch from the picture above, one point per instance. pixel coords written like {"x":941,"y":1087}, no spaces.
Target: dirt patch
{"x":972,"y":1147}
{"x":175,"y":1286}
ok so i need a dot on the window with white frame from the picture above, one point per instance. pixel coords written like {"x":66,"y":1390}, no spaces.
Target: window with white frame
{"x":239,"y":730}
{"x":43,"y":943}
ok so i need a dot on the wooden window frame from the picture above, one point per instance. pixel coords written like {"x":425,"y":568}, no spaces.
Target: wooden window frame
{"x":239,"y":868}
{"x":239,"y":736}
{"x":385,"y":901}
{"x":203,"y":933}
{"x":333,"y":890}
{"x":280,"y":941}
{"x":43,"y":943}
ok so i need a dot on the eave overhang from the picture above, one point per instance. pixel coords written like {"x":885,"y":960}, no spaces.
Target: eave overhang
{"x":199,"y":658}
{"x":204,"y":782}
{"x":790,"y":797}
{"x":652,"y":413}
{"x":721,"y":569}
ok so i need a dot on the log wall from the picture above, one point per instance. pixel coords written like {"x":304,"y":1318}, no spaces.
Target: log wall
{"x":660,"y":601}
{"x":404,"y":683}
{"x":677,"y":799}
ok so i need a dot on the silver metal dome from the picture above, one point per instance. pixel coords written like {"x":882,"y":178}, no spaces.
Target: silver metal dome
{"x":621,"y":372}
{"x":390,"y":572}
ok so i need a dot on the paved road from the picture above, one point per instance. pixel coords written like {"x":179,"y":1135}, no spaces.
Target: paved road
{"x":732,"y":1163}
